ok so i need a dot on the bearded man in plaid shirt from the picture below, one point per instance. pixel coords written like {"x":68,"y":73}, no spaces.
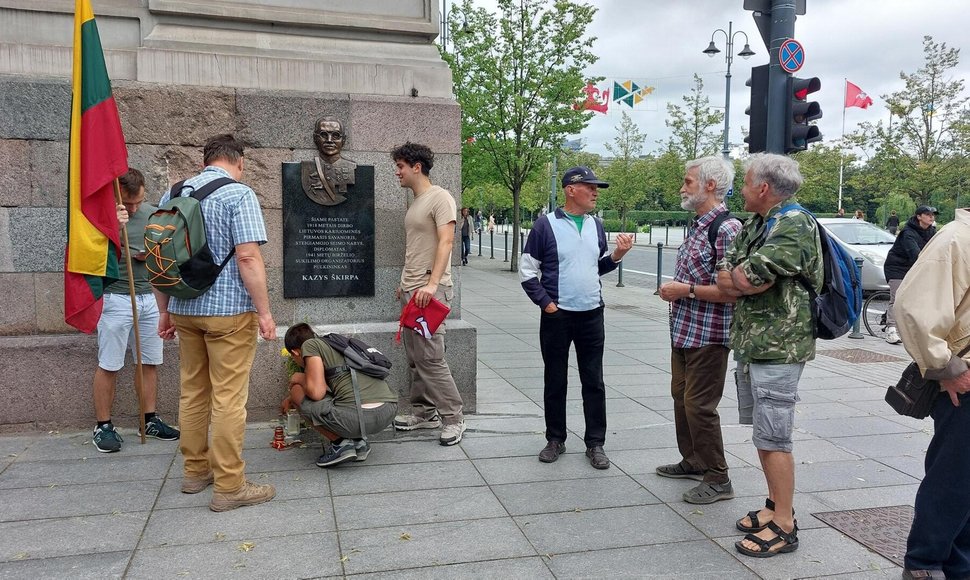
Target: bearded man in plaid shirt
{"x":700,"y":324}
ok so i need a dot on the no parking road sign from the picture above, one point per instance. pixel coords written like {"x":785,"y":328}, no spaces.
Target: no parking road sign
{"x":791,"y":55}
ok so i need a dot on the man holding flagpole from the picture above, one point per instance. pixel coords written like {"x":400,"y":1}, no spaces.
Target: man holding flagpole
{"x":116,"y":330}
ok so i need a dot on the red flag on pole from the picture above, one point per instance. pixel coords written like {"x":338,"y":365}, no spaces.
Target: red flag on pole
{"x":856,"y":97}
{"x":97,"y":156}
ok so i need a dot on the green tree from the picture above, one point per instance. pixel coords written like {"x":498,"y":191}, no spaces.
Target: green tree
{"x":694,"y":125}
{"x":516,"y":76}
{"x":665,"y":177}
{"x":820,"y":192}
{"x":626,"y":173}
{"x":922,"y":150}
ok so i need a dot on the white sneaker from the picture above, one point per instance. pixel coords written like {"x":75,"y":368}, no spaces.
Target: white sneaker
{"x":451,"y":434}
{"x":892,"y":337}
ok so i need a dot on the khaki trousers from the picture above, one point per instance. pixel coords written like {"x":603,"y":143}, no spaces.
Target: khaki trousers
{"x":433,"y":389}
{"x":215,"y":357}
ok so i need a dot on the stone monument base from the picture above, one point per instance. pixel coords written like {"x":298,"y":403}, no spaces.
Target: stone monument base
{"x":54,"y":376}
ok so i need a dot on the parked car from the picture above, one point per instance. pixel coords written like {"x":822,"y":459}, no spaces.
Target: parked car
{"x":863,"y":239}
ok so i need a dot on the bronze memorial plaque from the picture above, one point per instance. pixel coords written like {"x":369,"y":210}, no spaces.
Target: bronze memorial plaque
{"x":328,"y":222}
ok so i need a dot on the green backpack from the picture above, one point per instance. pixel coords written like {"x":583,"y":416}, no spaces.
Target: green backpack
{"x":178,"y":258}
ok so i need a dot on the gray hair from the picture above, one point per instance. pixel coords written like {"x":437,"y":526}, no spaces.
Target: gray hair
{"x":778,"y":171}
{"x":716,"y":169}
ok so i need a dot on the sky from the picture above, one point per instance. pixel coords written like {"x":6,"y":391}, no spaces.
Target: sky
{"x":869,"y":42}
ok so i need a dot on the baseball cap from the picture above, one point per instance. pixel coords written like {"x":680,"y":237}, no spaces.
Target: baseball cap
{"x":926,"y":209}
{"x":581,"y":174}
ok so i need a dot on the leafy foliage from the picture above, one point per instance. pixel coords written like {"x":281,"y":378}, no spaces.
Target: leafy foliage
{"x":517,"y":75}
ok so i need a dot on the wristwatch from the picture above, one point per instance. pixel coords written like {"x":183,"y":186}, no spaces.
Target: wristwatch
{"x":690,"y":293}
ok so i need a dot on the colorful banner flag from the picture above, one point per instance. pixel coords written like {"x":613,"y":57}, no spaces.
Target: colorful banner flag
{"x":856,"y":97}
{"x":629,"y":93}
{"x":595,"y":100}
{"x":97,"y":157}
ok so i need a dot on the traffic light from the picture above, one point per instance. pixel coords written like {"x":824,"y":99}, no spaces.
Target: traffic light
{"x":798,"y":133}
{"x":758,"y":110}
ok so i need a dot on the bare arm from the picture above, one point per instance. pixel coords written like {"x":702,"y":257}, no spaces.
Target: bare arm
{"x":253,"y":272}
{"x":166,"y":328}
{"x":708,"y":293}
{"x":446,"y":239}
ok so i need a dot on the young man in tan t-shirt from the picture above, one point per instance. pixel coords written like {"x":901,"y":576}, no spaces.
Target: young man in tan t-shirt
{"x":429,"y":229}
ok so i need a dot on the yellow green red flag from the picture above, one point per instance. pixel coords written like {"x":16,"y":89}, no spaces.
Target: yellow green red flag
{"x":97,"y":157}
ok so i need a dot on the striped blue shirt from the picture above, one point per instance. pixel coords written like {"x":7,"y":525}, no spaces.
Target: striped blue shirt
{"x":232,"y":217}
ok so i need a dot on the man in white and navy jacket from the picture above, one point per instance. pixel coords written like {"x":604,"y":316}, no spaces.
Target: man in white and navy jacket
{"x":560,"y":270}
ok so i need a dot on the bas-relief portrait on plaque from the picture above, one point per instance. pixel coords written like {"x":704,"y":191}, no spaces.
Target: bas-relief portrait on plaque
{"x":328,"y":220}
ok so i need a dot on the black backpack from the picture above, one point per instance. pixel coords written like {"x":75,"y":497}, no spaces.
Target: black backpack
{"x":713,"y":229}
{"x":358,"y":355}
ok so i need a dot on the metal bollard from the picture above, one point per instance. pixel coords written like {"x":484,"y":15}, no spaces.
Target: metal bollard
{"x":667,"y":238}
{"x":491,"y":236}
{"x":619,"y":282}
{"x":650,"y":235}
{"x":521,"y":242}
{"x":660,"y":264}
{"x":480,"y":242}
{"x":506,"y":249}
{"x":855,"y":326}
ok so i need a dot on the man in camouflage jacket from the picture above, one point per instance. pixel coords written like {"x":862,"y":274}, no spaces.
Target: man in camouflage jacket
{"x":771,"y":335}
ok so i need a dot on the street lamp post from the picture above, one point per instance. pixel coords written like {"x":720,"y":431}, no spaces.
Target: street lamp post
{"x":746,"y":52}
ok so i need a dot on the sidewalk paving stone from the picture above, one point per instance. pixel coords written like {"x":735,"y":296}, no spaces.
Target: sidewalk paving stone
{"x":598,"y":529}
{"x":31,"y":503}
{"x":353,"y":479}
{"x":293,"y":484}
{"x":101,"y":468}
{"x":527,"y":568}
{"x":572,"y":495}
{"x":76,"y":567}
{"x":297,"y":555}
{"x":527,"y":469}
{"x":415,"y":546}
{"x":53,"y":537}
{"x":407,"y":508}
{"x":699,"y":560}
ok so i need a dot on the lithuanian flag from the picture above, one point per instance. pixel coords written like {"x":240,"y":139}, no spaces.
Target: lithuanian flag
{"x":97,"y":157}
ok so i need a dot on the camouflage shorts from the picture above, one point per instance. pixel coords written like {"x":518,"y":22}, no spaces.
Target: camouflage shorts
{"x":766,"y":399}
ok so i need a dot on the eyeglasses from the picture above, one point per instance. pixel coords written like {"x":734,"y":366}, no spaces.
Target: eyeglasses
{"x":332,"y":135}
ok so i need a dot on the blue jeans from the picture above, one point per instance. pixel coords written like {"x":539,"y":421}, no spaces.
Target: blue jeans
{"x":466,"y":248}
{"x":940,"y":536}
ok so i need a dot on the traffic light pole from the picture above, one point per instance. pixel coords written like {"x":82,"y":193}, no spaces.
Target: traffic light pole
{"x":782,"y":28}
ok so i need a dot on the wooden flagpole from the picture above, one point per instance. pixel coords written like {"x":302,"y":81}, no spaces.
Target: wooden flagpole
{"x":139,"y":376}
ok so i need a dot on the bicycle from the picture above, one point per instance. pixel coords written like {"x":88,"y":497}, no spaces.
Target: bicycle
{"x":874,"y":312}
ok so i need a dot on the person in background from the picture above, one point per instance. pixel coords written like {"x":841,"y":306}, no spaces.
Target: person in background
{"x":467,"y":227}
{"x":892,"y":222}
{"x":917,"y":231}
{"x":859,"y":215}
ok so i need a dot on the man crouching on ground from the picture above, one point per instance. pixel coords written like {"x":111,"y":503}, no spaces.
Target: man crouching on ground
{"x":324,"y":394}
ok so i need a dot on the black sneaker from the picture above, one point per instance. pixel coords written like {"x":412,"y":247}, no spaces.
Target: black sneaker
{"x":106,"y":439}
{"x":160,"y":430}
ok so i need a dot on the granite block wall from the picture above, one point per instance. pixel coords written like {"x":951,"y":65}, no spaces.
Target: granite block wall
{"x":165,"y":127}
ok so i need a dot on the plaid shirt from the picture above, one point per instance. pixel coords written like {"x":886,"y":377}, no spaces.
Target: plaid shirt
{"x":232,"y":217}
{"x":695,"y":323}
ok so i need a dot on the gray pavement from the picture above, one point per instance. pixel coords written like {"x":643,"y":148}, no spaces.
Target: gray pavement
{"x":485,"y":508}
